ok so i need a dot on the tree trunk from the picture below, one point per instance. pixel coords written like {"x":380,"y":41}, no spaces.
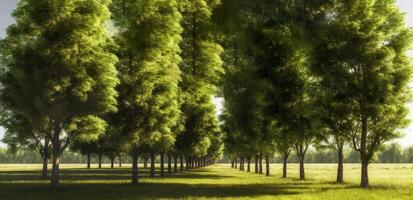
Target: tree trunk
{"x":240,"y":164}
{"x":267,"y":165}
{"x":55,"y":173}
{"x":162,"y":164}
{"x":135,"y":177}
{"x":363,"y":155}
{"x":152,"y":173}
{"x":112,"y":162}
{"x":302,"y":170}
{"x":285,"y":159}
{"x":44,"y":171}
{"x":100,"y":160}
{"x":364,"y":174}
{"x":236,"y":163}
{"x":260,"y":169}
{"x":169,"y":164}
{"x":88,"y":160}
{"x":120,"y":161}
{"x":340,"y":167}
{"x":175,"y":163}
{"x":182,"y":163}
{"x":56,"y":145}
{"x":232,"y":163}
{"x":256,"y":164}
{"x":145,"y":163}
{"x":249,"y":165}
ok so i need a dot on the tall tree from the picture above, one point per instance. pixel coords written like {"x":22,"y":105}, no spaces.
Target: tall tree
{"x":148,"y":38}
{"x":201,"y":71}
{"x":361,"y":53}
{"x":56,"y":65}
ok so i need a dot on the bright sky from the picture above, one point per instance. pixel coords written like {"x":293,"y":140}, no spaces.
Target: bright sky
{"x":6,"y":7}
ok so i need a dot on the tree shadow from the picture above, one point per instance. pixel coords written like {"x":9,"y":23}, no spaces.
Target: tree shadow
{"x":104,"y":174}
{"x":23,"y":185}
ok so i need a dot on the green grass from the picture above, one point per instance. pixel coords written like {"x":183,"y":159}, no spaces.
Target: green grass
{"x":216,"y":182}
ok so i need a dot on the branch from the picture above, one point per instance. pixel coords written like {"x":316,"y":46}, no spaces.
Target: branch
{"x":66,"y":144}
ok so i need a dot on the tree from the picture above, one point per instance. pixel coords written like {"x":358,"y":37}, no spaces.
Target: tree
{"x":56,"y":65}
{"x":284,"y":146}
{"x":391,"y":154}
{"x":148,"y":43}
{"x":21,"y":133}
{"x":86,"y":148}
{"x":362,"y":52}
{"x":337,"y":121}
{"x":201,"y":69}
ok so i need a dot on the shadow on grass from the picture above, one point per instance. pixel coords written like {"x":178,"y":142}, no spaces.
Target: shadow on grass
{"x":104,"y":174}
{"x":23,"y":185}
{"x":141,"y":191}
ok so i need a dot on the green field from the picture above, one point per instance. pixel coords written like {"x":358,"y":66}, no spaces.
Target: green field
{"x":21,"y":182}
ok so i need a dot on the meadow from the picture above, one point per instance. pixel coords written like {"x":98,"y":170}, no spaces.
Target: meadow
{"x":389,"y":181}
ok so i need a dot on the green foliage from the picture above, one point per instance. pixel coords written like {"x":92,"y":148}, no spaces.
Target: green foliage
{"x":201,"y":69}
{"x":148,"y":43}
{"x":361,"y":58}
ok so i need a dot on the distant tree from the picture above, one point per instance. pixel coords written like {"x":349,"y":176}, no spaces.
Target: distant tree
{"x":22,"y":133}
{"x":408,"y":154}
{"x":55,"y":64}
{"x":85,"y":148}
{"x":283,"y":147}
{"x":391,"y":154}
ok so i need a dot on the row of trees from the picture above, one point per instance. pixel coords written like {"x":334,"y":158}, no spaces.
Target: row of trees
{"x":297,"y":73}
{"x":392,"y":153}
{"x":143,"y":89}
{"x":325,"y":73}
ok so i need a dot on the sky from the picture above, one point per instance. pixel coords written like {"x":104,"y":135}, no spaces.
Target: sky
{"x":7,"y":6}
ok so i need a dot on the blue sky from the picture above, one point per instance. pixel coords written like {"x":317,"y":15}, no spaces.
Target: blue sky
{"x":6,"y":7}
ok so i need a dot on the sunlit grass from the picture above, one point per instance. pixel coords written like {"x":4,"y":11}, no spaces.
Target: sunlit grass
{"x":216,"y":182}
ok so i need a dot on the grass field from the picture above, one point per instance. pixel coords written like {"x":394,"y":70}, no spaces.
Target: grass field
{"x":22,"y":182}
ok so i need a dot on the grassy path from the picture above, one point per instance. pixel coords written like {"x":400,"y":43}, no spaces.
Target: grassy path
{"x":215,"y":182}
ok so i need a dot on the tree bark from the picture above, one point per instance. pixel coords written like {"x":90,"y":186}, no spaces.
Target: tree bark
{"x":152,"y":172}
{"x":100,"y":160}
{"x":363,"y":154}
{"x":267,"y":165}
{"x":56,"y":145}
{"x":260,"y":167}
{"x":285,"y":159}
{"x":55,"y":172}
{"x":302,"y":170}
{"x":135,"y":178}
{"x":236,"y":163}
{"x":340,"y":166}
{"x":232,"y":163}
{"x":120,"y":161}
{"x":44,"y":171}
{"x":88,"y":160}
{"x":162,"y":164}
